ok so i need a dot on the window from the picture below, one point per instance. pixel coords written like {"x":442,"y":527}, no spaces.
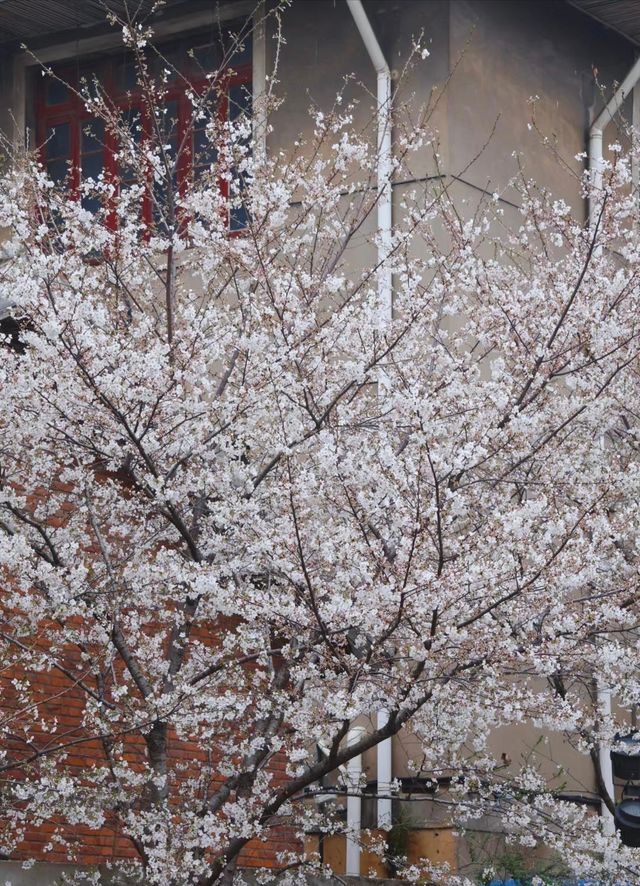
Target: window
{"x":75,"y":146}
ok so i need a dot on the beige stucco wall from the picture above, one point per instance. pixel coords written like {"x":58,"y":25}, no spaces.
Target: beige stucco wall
{"x":504,"y":54}
{"x":509,"y":53}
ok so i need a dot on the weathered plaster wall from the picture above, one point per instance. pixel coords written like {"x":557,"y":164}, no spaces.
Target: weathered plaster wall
{"x":503,"y":53}
{"x":510,"y":52}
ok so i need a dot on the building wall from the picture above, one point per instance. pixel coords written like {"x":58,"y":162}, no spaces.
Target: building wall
{"x":501,"y":54}
{"x":509,"y":53}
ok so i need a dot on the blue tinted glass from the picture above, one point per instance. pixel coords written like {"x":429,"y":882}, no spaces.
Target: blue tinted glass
{"x":159,"y":196}
{"x":91,"y":204}
{"x":56,"y":221}
{"x":58,"y":141}
{"x":238,"y":218}
{"x":239,"y":105}
{"x":174,"y":61}
{"x":57,"y":92}
{"x":242,"y":54}
{"x":131,"y":120}
{"x":91,"y":166}
{"x":169,"y":120}
{"x":204,"y":152}
{"x":239,"y":102}
{"x":126,"y":75}
{"x":92,"y":138}
{"x":58,"y":170}
{"x":90,"y":85}
{"x":206,"y":57}
{"x":160,"y":202}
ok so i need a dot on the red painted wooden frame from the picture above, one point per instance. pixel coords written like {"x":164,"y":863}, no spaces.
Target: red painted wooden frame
{"x":73,"y":112}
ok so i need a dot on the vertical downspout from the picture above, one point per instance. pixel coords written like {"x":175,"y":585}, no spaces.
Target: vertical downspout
{"x":383,"y":93}
{"x":385,"y":303}
{"x":604,"y":759}
{"x":596,"y":132}
{"x":259,"y":83}
{"x":354,"y":805}
{"x":384,"y":777}
{"x":595,"y":170}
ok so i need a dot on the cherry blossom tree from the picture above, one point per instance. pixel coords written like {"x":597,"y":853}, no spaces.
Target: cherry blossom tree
{"x":241,"y":509}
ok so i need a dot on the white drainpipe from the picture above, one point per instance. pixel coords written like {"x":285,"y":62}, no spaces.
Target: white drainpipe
{"x":604,"y":757}
{"x":384,"y":776}
{"x":596,"y":132}
{"x":385,"y":294}
{"x":384,"y":151}
{"x":354,"y":805}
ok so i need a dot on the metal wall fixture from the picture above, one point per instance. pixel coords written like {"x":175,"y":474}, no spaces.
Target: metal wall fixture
{"x":625,"y":764}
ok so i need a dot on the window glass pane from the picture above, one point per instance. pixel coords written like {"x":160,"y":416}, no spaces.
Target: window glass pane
{"x":56,"y":92}
{"x":58,"y":141}
{"x":204,"y":151}
{"x":126,"y":75}
{"x":239,"y":105}
{"x":174,"y":61}
{"x":161,"y":209}
{"x":132,"y":121}
{"x":92,"y":135}
{"x":206,"y":58}
{"x":159,"y":198}
{"x":91,"y":87}
{"x":58,"y":170}
{"x":238,"y":218}
{"x":91,"y":157}
{"x":169,"y":129}
{"x":242,"y":54}
{"x":91,"y":166}
{"x":239,"y":102}
{"x":91,"y":204}
{"x":168,"y":123}
{"x":200,"y":143}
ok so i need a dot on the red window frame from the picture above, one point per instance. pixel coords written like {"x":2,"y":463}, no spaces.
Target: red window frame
{"x":73,"y":112}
